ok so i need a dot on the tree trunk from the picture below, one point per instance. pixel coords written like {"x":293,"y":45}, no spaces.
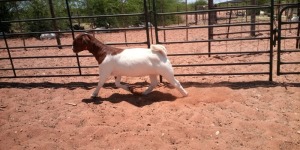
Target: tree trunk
{"x":54,"y":24}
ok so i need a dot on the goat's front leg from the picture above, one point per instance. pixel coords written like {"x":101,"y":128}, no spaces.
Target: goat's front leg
{"x":102,"y":79}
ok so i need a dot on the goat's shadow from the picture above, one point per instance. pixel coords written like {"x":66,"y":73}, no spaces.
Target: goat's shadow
{"x":135,"y":99}
{"x":141,"y":100}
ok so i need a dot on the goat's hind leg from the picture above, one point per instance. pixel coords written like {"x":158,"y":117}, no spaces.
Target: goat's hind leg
{"x":153,"y":84}
{"x":171,"y":79}
{"x":119,"y":85}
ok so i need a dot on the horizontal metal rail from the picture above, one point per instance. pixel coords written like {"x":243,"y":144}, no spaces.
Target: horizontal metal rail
{"x":48,"y":76}
{"x":289,"y":63}
{"x":19,"y":47}
{"x":214,"y":40}
{"x":49,"y":68}
{"x":213,"y":26}
{"x":222,"y":53}
{"x":290,"y":37}
{"x":183,"y":65}
{"x":289,"y":51}
{"x":289,"y":73}
{"x":223,"y":33}
{"x":86,"y":75}
{"x":225,"y":74}
{"x":214,"y":10}
{"x":221,"y":64}
{"x":172,"y":54}
{"x":121,"y":43}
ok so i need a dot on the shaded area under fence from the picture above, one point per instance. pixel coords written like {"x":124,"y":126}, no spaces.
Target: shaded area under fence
{"x":88,"y":86}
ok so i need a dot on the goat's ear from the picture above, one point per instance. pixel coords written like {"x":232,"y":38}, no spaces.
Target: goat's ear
{"x":86,"y":39}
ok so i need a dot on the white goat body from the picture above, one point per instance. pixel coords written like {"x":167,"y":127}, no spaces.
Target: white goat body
{"x":135,"y":62}
{"x":131,"y":62}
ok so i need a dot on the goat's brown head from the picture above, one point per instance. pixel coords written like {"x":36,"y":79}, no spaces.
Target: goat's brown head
{"x":81,"y":42}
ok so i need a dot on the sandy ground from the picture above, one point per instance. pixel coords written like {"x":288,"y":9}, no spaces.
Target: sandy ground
{"x":221,"y":112}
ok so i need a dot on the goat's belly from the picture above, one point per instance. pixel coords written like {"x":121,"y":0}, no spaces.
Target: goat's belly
{"x":130,"y":72}
{"x":134,"y":71}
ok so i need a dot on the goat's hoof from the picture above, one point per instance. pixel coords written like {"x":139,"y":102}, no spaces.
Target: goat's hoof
{"x":131,"y":89}
{"x":94,"y":96}
{"x":145,"y":93}
{"x":185,"y":94}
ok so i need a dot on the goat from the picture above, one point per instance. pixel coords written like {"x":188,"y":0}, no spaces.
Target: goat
{"x":131,"y":62}
{"x":47,"y":36}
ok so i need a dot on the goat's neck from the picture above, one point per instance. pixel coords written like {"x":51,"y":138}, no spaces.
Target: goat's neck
{"x":99,"y":50}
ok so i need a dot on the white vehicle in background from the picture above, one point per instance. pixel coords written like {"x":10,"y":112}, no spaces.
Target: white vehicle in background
{"x":47,"y":36}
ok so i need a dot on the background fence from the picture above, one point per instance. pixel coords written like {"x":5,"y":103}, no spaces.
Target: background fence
{"x":73,"y":28}
{"x":231,"y":38}
{"x":288,"y":30}
{"x":222,"y":23}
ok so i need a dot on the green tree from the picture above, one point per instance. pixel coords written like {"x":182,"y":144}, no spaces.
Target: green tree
{"x":104,"y":7}
{"x":54,"y":23}
{"x":35,"y":10}
{"x":132,"y":6}
{"x":5,"y":15}
{"x":169,"y":6}
{"x":197,"y":4}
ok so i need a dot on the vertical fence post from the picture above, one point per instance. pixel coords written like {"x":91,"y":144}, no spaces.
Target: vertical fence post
{"x":156,"y":29}
{"x":73,"y":36}
{"x":253,"y":19}
{"x":186,"y":21}
{"x":210,"y":22}
{"x":9,"y":55}
{"x":155,"y":21}
{"x":150,"y":19}
{"x":229,"y":22}
{"x":298,"y":30}
{"x":147,"y":20}
{"x":279,"y":42}
{"x":271,"y":41}
{"x":164,"y":19}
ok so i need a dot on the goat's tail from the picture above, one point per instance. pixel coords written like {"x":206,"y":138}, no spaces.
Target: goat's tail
{"x":159,"y":48}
